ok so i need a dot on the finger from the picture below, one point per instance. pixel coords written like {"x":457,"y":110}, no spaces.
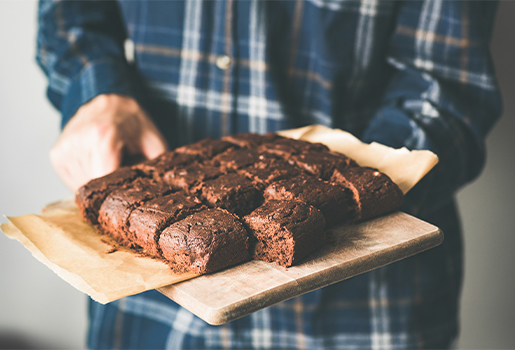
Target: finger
{"x":63,"y":165}
{"x":152,"y":144}
{"x":81,"y":170}
{"x":106,"y":155}
{"x":70,"y":171}
{"x":71,"y":179}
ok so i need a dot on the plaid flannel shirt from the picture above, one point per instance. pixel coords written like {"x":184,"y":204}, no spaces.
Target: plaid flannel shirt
{"x":416,"y":74}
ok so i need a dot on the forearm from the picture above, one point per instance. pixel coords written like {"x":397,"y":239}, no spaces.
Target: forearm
{"x":80,"y":49}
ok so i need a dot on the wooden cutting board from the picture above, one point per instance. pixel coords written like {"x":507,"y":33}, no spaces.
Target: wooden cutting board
{"x":236,"y":292}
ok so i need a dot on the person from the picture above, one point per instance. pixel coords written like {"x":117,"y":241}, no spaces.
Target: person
{"x":137,"y":78}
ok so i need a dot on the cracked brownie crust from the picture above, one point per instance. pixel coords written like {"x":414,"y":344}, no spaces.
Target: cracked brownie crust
{"x":147,"y":221}
{"x":336,"y":202}
{"x":204,"y":242}
{"x":90,"y":197}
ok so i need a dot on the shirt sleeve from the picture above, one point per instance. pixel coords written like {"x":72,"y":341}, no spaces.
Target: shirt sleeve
{"x":443,"y":95}
{"x":80,"y":49}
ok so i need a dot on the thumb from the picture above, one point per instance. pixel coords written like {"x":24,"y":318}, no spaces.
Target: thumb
{"x":152,"y":143}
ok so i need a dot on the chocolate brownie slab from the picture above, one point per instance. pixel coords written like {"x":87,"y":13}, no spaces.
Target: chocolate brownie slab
{"x":375,"y":192}
{"x":205,"y":148}
{"x":321,"y":163}
{"x":336,"y":202}
{"x":89,"y":197}
{"x":286,"y":231}
{"x":249,"y":139}
{"x":233,"y":192}
{"x":147,"y":221}
{"x":204,"y":242}
{"x":118,"y":205}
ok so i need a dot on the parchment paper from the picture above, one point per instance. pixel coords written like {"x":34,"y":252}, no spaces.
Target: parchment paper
{"x":60,"y":239}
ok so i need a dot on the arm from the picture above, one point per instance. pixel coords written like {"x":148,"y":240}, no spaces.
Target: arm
{"x":80,"y":49}
{"x":443,"y":96}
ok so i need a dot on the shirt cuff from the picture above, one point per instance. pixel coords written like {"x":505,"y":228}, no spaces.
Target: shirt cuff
{"x":391,"y":126}
{"x":100,"y":77}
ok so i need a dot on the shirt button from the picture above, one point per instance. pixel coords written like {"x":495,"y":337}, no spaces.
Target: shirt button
{"x":223,"y":62}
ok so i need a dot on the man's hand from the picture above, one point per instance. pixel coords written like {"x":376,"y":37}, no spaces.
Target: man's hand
{"x":102,"y":131}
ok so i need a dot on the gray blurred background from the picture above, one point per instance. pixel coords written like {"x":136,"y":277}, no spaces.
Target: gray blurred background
{"x":38,"y":309}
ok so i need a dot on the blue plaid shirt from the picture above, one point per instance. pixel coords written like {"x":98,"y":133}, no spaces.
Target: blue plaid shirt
{"x":416,"y":74}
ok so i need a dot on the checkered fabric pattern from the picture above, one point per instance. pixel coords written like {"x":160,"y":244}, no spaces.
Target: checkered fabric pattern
{"x":413,"y":74}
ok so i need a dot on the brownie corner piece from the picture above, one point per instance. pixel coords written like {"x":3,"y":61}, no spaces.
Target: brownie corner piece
{"x":205,"y":242}
{"x":114,"y":212}
{"x":285,"y":231}
{"x":91,"y":195}
{"x":375,"y":193}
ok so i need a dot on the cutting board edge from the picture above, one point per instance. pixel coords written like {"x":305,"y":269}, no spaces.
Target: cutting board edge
{"x":221,"y":315}
{"x":229,"y":312}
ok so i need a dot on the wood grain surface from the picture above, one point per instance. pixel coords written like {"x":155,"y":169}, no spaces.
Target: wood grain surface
{"x":227,"y":295}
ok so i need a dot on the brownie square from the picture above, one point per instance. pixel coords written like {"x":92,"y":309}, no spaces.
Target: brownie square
{"x":167,"y":161}
{"x":285,"y":231}
{"x":89,"y":197}
{"x":336,"y":202}
{"x":235,"y":159}
{"x":205,"y":148}
{"x":321,"y":163}
{"x":233,"y":192}
{"x":285,"y":147}
{"x":118,"y":205}
{"x":249,"y":139}
{"x":204,"y":242}
{"x":190,"y":177}
{"x":265,"y":172}
{"x":375,"y":192}
{"x":147,"y":221}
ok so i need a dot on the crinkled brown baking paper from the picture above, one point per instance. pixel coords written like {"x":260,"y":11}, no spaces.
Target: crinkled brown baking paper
{"x":77,"y":253}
